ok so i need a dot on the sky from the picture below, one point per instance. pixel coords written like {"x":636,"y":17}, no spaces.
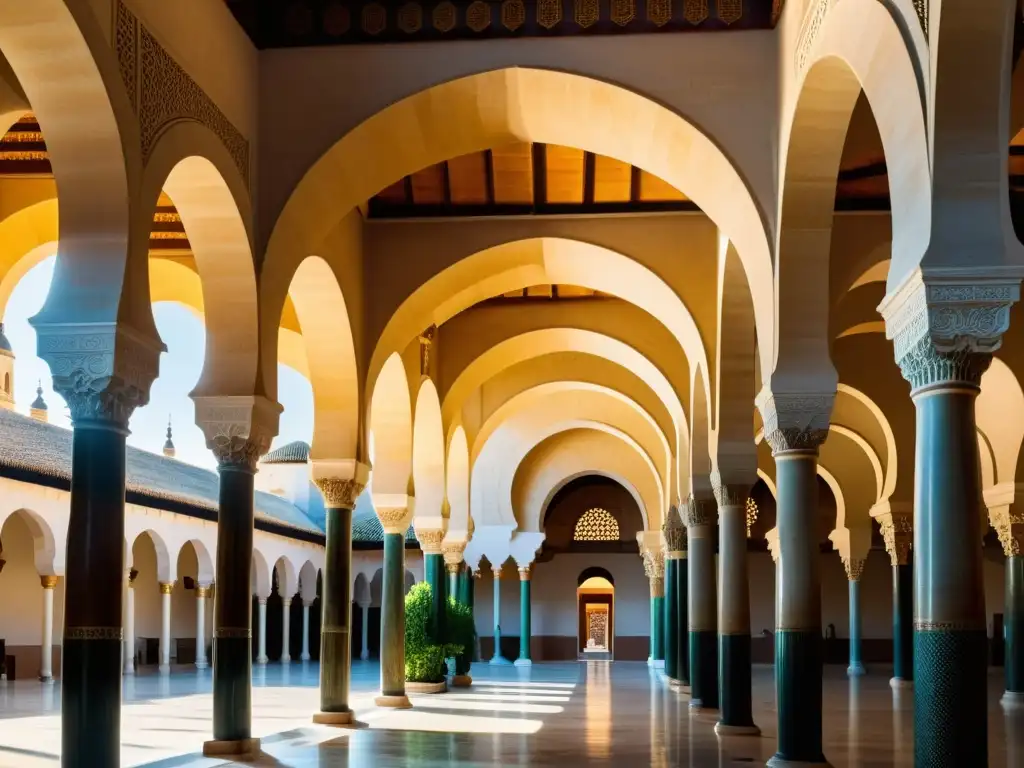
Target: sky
{"x":183,"y":333}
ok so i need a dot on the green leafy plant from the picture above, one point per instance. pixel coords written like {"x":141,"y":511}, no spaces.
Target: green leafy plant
{"x":461,"y":635}
{"x":424,"y":658}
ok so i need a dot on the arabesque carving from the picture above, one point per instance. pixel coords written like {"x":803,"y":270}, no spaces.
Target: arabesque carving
{"x":238,"y":429}
{"x":1010,"y":528}
{"x":339,"y":494}
{"x":795,"y":421}
{"x":394,"y":519}
{"x":430,"y":540}
{"x":898,"y":534}
{"x":674,"y":532}
{"x":700,"y":512}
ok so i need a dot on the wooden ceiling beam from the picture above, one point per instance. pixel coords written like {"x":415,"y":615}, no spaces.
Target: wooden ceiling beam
{"x":489,"y":173}
{"x":634,"y":184}
{"x":589,"y":172}
{"x":407,"y":183}
{"x":540,"y":174}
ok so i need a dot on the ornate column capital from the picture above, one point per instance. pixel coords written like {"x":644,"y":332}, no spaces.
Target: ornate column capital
{"x":453,"y":553}
{"x":166,"y":587}
{"x":238,"y":429}
{"x":897,"y":531}
{"x":674,"y":533}
{"x":729,"y":491}
{"x":338,"y":493}
{"x":48,"y":582}
{"x":854,"y":567}
{"x":945,"y":324}
{"x":203,"y":592}
{"x":795,"y":421}
{"x":394,"y":519}
{"x":772,"y":539}
{"x":700,"y":515}
{"x":430,"y":540}
{"x":286,"y":602}
{"x":525,"y":573}
{"x":103,"y":370}
{"x":1009,"y":526}
{"x":654,"y":567}
{"x":261,"y":600}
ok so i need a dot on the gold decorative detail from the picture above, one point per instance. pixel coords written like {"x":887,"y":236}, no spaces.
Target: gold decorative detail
{"x":410,"y":18}
{"x":596,"y":525}
{"x":48,"y":582}
{"x":339,"y":494}
{"x":513,"y":14}
{"x":337,"y":20}
{"x":587,"y":12}
{"x":659,"y":12}
{"x":203,"y":592}
{"x":623,"y":11}
{"x":168,"y":236}
{"x":92,"y":633}
{"x":394,"y":519}
{"x":453,"y":553}
{"x":375,"y":18}
{"x":730,"y":11}
{"x":752,"y":512}
{"x":426,"y":339}
{"x":166,"y":218}
{"x":166,"y":587}
{"x":22,"y":137}
{"x":525,"y":573}
{"x":695,"y":11}
{"x":444,"y":16}
{"x":478,"y":16}
{"x":24,"y":155}
{"x":430,"y":540}
{"x":549,"y":13}
{"x":233,"y":633}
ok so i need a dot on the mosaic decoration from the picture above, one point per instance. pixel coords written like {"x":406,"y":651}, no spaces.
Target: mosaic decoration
{"x":730,"y":11}
{"x":623,"y":11}
{"x":410,"y":18}
{"x":478,"y":16}
{"x":375,"y":19}
{"x":337,"y":20}
{"x":513,"y":14}
{"x":695,"y":11}
{"x":587,"y":12}
{"x":659,"y":12}
{"x":549,"y":13}
{"x":596,"y":525}
{"x":444,"y":17}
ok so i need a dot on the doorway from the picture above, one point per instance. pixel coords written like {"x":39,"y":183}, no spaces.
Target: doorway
{"x":595,"y":607}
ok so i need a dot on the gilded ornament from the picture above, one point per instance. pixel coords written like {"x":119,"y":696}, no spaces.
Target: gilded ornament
{"x":166,"y":587}
{"x":202,"y":592}
{"x":410,"y":18}
{"x":623,"y":11}
{"x":478,"y":16}
{"x":549,"y":13}
{"x":587,"y":12}
{"x":730,"y":11}
{"x":337,"y":20}
{"x":444,"y":16}
{"x":430,"y":540}
{"x":659,"y":12}
{"x":513,"y":14}
{"x":695,"y":11}
{"x":48,"y":582}
{"x":375,"y":18}
{"x":92,"y":633}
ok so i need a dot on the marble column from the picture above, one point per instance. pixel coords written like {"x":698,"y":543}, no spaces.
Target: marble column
{"x":670,"y":617}
{"x":129,"y":625}
{"x":524,"y":617}
{"x":674,"y":534}
{"x":304,"y":655}
{"x":166,"y":590}
{"x":497,"y":658}
{"x":286,"y":630}
{"x":202,"y":592}
{"x":734,"y":645}
{"x":683,"y":624}
{"x":1011,"y":536}
{"x":392,"y":625}
{"x":261,"y":631}
{"x":654,"y":567}
{"x":364,"y":651}
{"x":340,"y":497}
{"x":854,"y":569}
{"x":465,"y":585}
{"x":897,"y":531}
{"x":436,"y":576}
{"x":703,"y":599}
{"x":49,"y":583}
{"x":475,"y":576}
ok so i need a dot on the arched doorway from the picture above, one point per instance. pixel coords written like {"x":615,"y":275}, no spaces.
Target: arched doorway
{"x":595,"y":608}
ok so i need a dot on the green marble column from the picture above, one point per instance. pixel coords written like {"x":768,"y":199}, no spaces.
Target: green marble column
{"x":734,"y":654}
{"x":902,"y":623}
{"x":232,"y":605}
{"x":91,"y":654}
{"x":497,"y":659}
{"x":674,"y":533}
{"x":856,"y":668}
{"x":703,"y":599}
{"x":465,"y":586}
{"x":437,"y":577}
{"x":654,"y":566}
{"x":336,"y":603}
{"x":670,"y":621}
{"x":1014,"y":631}
{"x":683,"y":645}
{"x":392,"y":625}
{"x":524,"y":618}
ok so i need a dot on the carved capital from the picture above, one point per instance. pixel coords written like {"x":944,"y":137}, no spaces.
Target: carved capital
{"x":795,"y":421}
{"x":394,"y":519}
{"x":700,"y":512}
{"x":945,"y":325}
{"x":525,"y":573}
{"x":854,"y":567}
{"x":729,"y":494}
{"x":238,"y":429}
{"x":48,"y":582}
{"x":430,"y":540}
{"x":202,"y":592}
{"x":1010,"y":528}
{"x":674,"y":531}
{"x":453,"y":552}
{"x":898,"y":534}
{"x":166,"y":587}
{"x":772,"y":540}
{"x":103,"y":370}
{"x":339,"y":494}
{"x":654,"y":567}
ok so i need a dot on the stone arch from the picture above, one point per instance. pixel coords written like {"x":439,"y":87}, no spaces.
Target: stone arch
{"x":700,"y":438}
{"x":166,"y":567}
{"x":428,"y":453}
{"x":307,"y":581}
{"x":888,"y":468}
{"x":260,"y":581}
{"x":361,"y":590}
{"x":287,"y":577}
{"x":1000,"y":416}
{"x":376,"y":587}
{"x":206,"y":572}
{"x":457,"y":482}
{"x":391,"y":423}
{"x":44,"y":542}
{"x":595,"y":571}
{"x":27,"y":237}
{"x":525,"y":104}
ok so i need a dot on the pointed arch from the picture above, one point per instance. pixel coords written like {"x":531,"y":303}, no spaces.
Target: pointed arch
{"x":458,"y":483}
{"x":428,"y":453}
{"x":700,"y":438}
{"x":391,"y":423}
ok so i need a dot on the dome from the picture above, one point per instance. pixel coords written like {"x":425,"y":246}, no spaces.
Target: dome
{"x":292,"y":453}
{"x":5,"y":344}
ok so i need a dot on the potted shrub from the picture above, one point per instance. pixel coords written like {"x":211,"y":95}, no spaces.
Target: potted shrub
{"x":425,"y":666}
{"x":461,"y":635}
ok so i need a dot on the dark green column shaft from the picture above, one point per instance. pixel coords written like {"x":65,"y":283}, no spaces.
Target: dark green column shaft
{"x":525,"y":630}
{"x":1014,"y":630}
{"x":232,"y":637}
{"x":683,"y":625}
{"x":465,"y":586}
{"x":903,"y":623}
{"x":950,"y":638}
{"x":437,"y":577}
{"x":392,"y":625}
{"x":91,"y":660}
{"x":703,"y":597}
{"x":336,"y":612}
{"x":798,"y":644}
{"x":657,"y":635}
{"x":670,"y":623}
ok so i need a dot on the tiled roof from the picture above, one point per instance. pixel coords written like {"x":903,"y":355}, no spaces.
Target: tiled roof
{"x":293,"y":453}
{"x":35,"y":446}
{"x":366,"y":528}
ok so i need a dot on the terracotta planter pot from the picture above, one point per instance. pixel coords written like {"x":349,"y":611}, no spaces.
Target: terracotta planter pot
{"x":426,"y":687}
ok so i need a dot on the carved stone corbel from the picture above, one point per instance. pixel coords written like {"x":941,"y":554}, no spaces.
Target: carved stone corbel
{"x":795,"y":421}
{"x":238,"y":429}
{"x":340,"y":482}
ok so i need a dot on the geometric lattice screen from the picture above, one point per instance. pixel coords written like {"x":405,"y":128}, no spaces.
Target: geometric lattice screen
{"x":596,"y":525}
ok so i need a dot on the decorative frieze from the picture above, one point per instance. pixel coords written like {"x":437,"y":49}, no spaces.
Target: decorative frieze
{"x":795,"y":421}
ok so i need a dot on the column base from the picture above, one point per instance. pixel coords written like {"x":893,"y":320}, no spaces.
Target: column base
{"x":305,"y":657}
{"x":500,"y":661}
{"x":262,"y":660}
{"x":523,"y":663}
{"x":1013,"y":700}
{"x":899,"y":682}
{"x":46,"y":679}
{"x":393,"y":702}
{"x":202,"y":664}
{"x":777,"y":761}
{"x":461,"y":681}
{"x":737,"y":730}
{"x":697,"y":707}
{"x":365,"y":656}
{"x":237,"y":748}
{"x":856,"y":670}
{"x":659,"y":664}
{"x":650,"y":661}
{"x":286,"y":659}
{"x":336,"y":719}
{"x":165,"y":669}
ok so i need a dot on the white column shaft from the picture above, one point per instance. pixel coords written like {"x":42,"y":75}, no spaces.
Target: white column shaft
{"x":165,"y":630}
{"x":305,"y":632}
{"x":46,"y":663}
{"x":286,"y":630}
{"x":364,"y":652}
{"x":201,"y":662}
{"x":261,"y":657}
{"x":129,"y":631}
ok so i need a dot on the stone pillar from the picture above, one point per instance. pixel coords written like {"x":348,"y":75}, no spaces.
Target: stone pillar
{"x":261,"y":631}
{"x":795,"y":426}
{"x":202,"y":592}
{"x":497,"y":658}
{"x":364,"y":651}
{"x":476,"y":576}
{"x":854,"y":569}
{"x":674,"y":533}
{"x":341,"y":488}
{"x":392,"y":627}
{"x":304,"y":656}
{"x":524,"y":617}
{"x":654,"y":567}
{"x":238,"y":430}
{"x":103,"y":370}
{"x":453,"y":551}
{"x":286,"y":630}
{"x":734,"y":652}
{"x":436,"y":576}
{"x":703,"y":599}
{"x":166,"y":590}
{"x":1011,"y":534}
{"x":898,"y":532}
{"x":670,"y":618}
{"x":465,"y":586}
{"x":129,"y":625}
{"x":49,"y":583}
{"x":945,"y":328}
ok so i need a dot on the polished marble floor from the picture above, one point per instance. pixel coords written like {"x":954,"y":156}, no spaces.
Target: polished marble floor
{"x":550,"y":714}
